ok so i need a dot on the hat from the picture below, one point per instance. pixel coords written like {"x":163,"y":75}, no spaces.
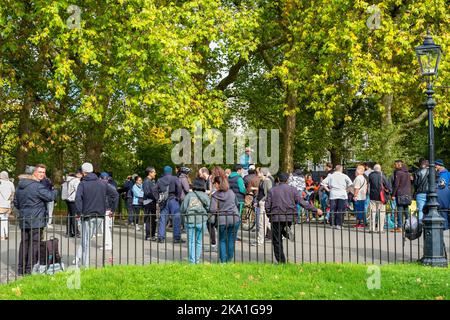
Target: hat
{"x":4,"y":175}
{"x":251,"y":167}
{"x":87,"y":167}
{"x":167,"y":169}
{"x":284,"y":177}
{"x":199,"y":185}
{"x":439,"y":162}
{"x":104,"y":175}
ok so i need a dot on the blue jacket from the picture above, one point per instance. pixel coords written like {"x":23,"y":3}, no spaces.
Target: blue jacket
{"x":93,"y":197}
{"x":444,"y":175}
{"x":138,"y":192}
{"x":31,"y":200}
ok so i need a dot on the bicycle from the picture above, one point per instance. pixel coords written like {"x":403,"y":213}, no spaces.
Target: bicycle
{"x":248,"y":217}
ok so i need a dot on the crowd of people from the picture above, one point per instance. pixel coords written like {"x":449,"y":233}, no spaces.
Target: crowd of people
{"x":213,"y":202}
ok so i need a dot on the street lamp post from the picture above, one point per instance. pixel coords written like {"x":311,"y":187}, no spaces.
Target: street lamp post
{"x":433,"y":224}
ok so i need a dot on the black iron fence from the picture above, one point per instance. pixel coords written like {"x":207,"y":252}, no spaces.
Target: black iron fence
{"x":118,"y":239}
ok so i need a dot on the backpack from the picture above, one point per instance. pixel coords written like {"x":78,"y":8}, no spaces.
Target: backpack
{"x":49,"y":252}
{"x":413,"y":229}
{"x":163,"y":197}
{"x":65,"y":191}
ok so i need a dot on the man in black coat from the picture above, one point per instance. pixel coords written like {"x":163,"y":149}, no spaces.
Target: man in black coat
{"x":31,"y":200}
{"x":92,"y":201}
{"x":150,"y":198}
{"x":281,"y":208}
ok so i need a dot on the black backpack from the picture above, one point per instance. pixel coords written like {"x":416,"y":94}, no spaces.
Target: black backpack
{"x":49,"y":252}
{"x":413,"y":228}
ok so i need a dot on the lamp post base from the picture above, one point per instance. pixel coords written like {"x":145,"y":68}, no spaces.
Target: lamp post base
{"x":434,"y":262}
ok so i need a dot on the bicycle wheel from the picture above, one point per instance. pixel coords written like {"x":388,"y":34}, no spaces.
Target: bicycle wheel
{"x":248,"y":219}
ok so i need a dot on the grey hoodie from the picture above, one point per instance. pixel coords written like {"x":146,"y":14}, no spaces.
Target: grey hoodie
{"x":226,"y":204}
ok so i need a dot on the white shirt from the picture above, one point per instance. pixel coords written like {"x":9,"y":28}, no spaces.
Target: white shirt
{"x":6,"y":192}
{"x":361,"y":183}
{"x":338,"y":184}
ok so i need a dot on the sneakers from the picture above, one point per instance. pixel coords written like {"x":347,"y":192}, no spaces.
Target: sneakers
{"x":137,"y":228}
{"x":212,"y":249}
{"x":396,"y":230}
{"x":256,"y":243}
{"x":151,"y":239}
{"x":179,"y":241}
{"x":359,"y":226}
{"x":49,"y":226}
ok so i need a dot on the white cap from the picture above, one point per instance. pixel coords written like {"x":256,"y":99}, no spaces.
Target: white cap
{"x":87,"y":167}
{"x":251,"y":167}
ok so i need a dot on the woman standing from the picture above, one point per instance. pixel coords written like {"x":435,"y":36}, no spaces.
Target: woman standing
{"x":195,"y":207}
{"x":138,"y":201}
{"x":225,"y":204}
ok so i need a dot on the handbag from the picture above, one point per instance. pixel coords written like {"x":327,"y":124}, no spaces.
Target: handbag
{"x":203,"y":204}
{"x":382,"y":195}
{"x":404,"y":200}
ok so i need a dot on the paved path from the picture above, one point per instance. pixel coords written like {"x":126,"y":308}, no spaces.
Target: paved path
{"x":313,"y":243}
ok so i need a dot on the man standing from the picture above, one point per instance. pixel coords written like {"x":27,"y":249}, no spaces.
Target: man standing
{"x":246,"y":159}
{"x":421,"y":186}
{"x":73,"y":182}
{"x":111,"y":206}
{"x":6,"y":198}
{"x":31,"y":200}
{"x":150,"y":198}
{"x":281,"y":207}
{"x":263,"y":221}
{"x":91,"y":202}
{"x":442,"y":171}
{"x":378,"y":184}
{"x":337,"y":184}
{"x":361,"y":186}
{"x":50,"y":205}
{"x":237,"y":184}
{"x":402,"y":192}
{"x":171,"y":186}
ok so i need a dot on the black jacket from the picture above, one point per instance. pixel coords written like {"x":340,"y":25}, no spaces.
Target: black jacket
{"x":375,"y":186}
{"x":173,"y":183}
{"x":421,"y":181}
{"x":31,"y":200}
{"x":93,"y":197}
{"x":150,"y":189}
{"x":402,"y":183}
{"x":281,"y":203}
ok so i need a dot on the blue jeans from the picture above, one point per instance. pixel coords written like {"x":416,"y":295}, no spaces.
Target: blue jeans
{"x":324,"y":201}
{"x":421,"y":199}
{"x":366,"y":205}
{"x":172,"y":207}
{"x":360,"y":211}
{"x":400,"y":210}
{"x":195,"y":241}
{"x":227,"y":238}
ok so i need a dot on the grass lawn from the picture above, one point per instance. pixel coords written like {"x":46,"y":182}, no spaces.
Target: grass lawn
{"x":237,"y":281}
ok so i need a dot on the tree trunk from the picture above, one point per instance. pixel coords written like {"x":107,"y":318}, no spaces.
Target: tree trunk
{"x":95,"y":145}
{"x":24,"y":134}
{"x":386,"y":102}
{"x":289,"y":131}
{"x":336,"y":157}
{"x":58,"y":173}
